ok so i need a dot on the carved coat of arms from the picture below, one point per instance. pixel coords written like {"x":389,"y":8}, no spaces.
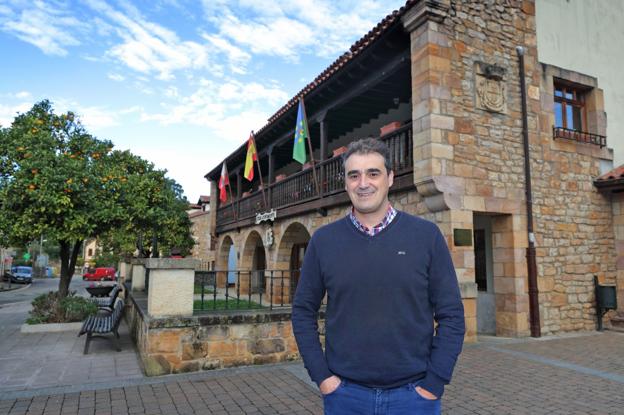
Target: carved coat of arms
{"x":491,"y":94}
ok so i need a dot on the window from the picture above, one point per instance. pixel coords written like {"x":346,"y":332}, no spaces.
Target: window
{"x":569,"y":107}
{"x":90,"y":253}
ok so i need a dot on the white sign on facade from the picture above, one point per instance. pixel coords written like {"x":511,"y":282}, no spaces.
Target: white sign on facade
{"x":270,"y":215}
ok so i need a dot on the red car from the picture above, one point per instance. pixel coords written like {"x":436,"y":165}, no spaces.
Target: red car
{"x":100,"y":274}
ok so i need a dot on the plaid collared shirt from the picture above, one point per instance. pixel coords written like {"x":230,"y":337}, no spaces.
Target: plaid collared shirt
{"x":390,"y":215}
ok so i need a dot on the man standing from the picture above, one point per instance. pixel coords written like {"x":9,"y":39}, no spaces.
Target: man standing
{"x":388,"y":276}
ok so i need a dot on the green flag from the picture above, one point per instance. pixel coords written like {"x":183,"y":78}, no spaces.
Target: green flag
{"x":301,"y":134}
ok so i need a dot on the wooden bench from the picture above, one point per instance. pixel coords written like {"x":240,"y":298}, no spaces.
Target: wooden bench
{"x":98,"y":325}
{"x":107,"y":303}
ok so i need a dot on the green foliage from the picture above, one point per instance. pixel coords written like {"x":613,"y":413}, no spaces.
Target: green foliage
{"x":156,"y":218}
{"x":106,"y":259}
{"x":51,"y":308}
{"x":52,"y":175}
{"x":59,"y":181}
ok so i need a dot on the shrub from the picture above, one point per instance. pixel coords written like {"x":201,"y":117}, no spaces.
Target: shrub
{"x":48,"y":309}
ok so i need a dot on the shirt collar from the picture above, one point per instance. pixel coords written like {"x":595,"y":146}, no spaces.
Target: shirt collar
{"x":390,"y":215}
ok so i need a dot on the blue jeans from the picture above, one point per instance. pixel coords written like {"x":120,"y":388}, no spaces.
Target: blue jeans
{"x":353,"y":399}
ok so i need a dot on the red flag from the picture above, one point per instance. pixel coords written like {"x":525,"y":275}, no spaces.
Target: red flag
{"x":223,"y":181}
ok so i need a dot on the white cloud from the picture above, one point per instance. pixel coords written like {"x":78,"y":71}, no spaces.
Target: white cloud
{"x":237,"y":57}
{"x":130,"y":110}
{"x":149,"y":48}
{"x":229,"y":109}
{"x":291,"y":28}
{"x":5,"y":10}
{"x":97,"y":118}
{"x":116,"y":77}
{"x":9,"y":112}
{"x":47,"y":27}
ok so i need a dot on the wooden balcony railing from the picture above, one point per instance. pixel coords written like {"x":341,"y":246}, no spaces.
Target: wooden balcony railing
{"x":300,"y":187}
{"x":579,"y":136}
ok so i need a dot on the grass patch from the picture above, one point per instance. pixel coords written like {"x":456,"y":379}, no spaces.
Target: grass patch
{"x":209,"y":304}
{"x":207,"y":290}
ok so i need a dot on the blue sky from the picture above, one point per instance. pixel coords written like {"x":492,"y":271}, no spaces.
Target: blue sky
{"x":180,"y":83}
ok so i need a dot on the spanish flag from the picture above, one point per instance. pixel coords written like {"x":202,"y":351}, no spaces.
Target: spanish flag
{"x":252,"y":156}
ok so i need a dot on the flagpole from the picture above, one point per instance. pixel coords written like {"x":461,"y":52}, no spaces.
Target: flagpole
{"x":253,"y":137}
{"x":225,"y":177}
{"x":318,"y":189}
{"x":232,"y":199}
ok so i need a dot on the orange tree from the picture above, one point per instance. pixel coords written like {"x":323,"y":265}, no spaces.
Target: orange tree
{"x":59,"y":181}
{"x":155,"y":213}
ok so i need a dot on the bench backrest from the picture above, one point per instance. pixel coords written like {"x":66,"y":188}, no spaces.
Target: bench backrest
{"x":118,"y":313}
{"x":113,"y":295}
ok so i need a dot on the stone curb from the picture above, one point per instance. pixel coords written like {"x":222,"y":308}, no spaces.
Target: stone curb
{"x":50,"y":327}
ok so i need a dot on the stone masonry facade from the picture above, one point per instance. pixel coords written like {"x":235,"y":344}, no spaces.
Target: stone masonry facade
{"x":469,"y":160}
{"x":202,"y":235}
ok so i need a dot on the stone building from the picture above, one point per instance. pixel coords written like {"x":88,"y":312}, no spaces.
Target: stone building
{"x":199,"y":214}
{"x":440,"y":82}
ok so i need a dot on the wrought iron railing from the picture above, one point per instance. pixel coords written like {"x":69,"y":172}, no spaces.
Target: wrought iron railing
{"x":301,"y":187}
{"x":580,"y":136}
{"x":216,"y":291}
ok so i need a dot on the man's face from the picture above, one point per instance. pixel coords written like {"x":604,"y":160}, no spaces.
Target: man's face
{"x":367,"y":182}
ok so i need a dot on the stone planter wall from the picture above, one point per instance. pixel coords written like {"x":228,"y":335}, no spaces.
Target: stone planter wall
{"x":191,"y":344}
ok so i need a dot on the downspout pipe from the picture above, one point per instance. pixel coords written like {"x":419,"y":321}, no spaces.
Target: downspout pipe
{"x":534,"y":315}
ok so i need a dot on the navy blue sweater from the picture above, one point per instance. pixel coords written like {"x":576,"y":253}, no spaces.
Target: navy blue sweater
{"x":383,"y":293}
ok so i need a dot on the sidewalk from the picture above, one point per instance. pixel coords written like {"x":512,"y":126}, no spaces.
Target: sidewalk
{"x":47,"y":374}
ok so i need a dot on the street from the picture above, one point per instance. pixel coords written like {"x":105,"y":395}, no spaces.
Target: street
{"x":25,"y":292}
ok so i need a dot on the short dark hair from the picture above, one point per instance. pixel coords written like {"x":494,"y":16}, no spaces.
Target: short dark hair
{"x":366,"y":146}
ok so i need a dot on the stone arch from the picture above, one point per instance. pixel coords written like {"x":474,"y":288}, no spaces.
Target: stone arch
{"x":227,"y":254}
{"x":253,"y":264}
{"x":289,"y":257}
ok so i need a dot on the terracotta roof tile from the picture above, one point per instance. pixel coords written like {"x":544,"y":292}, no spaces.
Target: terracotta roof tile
{"x":615,"y":174}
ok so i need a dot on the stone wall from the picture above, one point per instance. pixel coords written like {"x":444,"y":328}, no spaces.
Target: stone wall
{"x":575,"y":235}
{"x":469,"y":158}
{"x":201,"y":234}
{"x":178,"y":345}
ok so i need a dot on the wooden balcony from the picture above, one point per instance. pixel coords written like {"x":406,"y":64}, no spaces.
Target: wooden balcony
{"x":299,"y":193}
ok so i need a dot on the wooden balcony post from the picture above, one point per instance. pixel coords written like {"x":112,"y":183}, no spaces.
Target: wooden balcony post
{"x":214,"y":191}
{"x":239,"y":185}
{"x":271,"y":176}
{"x":324,"y":133}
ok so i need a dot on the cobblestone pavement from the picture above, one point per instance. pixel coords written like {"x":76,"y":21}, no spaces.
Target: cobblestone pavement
{"x":40,"y":360}
{"x":581,"y":374}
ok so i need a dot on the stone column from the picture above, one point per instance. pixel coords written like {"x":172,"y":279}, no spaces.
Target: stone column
{"x":138,"y":274}
{"x":435,"y":132}
{"x":171,"y":286}
{"x":212,"y":220}
{"x":125,"y":270}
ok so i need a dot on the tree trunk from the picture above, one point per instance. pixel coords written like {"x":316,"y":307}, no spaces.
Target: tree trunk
{"x":155,"y":252}
{"x":69,"y":255}
{"x":143,"y":253}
